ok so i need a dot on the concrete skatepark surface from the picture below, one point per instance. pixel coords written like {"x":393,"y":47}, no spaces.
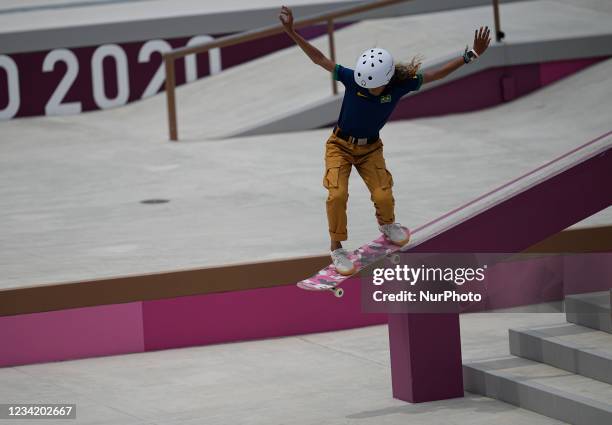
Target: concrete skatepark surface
{"x":20,"y":15}
{"x":34,"y":25}
{"x":332,"y":378}
{"x":72,"y":189}
{"x":242,"y":97}
{"x":205,"y":111}
{"x":75,"y":212}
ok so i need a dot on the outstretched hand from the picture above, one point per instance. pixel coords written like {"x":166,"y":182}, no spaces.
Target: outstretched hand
{"x":286,"y":18}
{"x":481,"y":40}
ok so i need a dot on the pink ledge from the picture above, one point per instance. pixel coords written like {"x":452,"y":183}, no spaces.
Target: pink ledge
{"x":553,"y":71}
{"x":250,"y":314}
{"x":71,"y":334}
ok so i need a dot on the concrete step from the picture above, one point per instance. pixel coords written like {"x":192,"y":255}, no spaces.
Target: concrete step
{"x":574,"y":348}
{"x":541,"y":388}
{"x":591,"y":310}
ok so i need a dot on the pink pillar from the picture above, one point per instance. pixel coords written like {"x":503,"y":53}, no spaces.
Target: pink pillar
{"x":425,"y":356}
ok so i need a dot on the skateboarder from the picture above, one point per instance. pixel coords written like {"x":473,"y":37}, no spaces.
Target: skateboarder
{"x":372,"y":91}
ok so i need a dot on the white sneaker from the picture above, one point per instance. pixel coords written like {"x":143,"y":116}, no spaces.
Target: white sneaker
{"x":342,"y":262}
{"x":395,"y":233}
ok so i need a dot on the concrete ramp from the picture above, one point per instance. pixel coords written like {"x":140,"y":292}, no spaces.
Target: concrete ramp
{"x":242,"y":98}
{"x":299,"y":96}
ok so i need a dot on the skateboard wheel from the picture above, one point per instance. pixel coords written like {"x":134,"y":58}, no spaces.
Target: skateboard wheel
{"x":338,"y":292}
{"x":394,"y":258}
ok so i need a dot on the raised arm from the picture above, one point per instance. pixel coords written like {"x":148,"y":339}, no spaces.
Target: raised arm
{"x":315,"y":55}
{"x":481,"y":42}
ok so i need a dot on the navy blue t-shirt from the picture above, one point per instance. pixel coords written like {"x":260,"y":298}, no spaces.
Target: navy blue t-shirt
{"x":363,"y":114}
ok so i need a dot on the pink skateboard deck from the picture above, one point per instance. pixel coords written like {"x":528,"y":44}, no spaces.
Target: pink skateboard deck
{"x":329,"y":279}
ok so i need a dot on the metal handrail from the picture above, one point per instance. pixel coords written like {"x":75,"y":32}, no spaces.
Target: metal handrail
{"x":255,"y":34}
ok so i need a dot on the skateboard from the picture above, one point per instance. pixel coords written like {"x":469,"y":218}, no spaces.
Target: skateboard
{"x":328,"y":279}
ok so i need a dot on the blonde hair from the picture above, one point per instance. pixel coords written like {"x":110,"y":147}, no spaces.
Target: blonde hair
{"x":404,"y":70}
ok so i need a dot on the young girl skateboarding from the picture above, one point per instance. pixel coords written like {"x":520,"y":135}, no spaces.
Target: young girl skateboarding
{"x":372,"y":91}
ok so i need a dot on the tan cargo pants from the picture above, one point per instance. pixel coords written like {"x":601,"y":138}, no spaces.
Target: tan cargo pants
{"x":340,"y":157}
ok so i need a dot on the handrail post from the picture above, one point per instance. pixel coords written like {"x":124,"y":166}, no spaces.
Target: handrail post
{"x":332,"y":51}
{"x":170,"y":97}
{"x":499,"y":34}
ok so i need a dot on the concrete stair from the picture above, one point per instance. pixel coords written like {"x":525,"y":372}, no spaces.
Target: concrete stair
{"x":541,"y":388}
{"x":570,"y":347}
{"x":591,"y":310}
{"x":562,"y":371}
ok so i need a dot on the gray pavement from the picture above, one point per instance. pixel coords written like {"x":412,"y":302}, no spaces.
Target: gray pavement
{"x":71,"y":186}
{"x":332,"y":378}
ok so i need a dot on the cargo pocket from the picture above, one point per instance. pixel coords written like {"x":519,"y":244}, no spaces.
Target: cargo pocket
{"x":384,"y":176}
{"x":332,"y":175}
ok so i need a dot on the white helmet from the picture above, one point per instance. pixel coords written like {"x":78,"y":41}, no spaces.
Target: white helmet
{"x":374,"y":68}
